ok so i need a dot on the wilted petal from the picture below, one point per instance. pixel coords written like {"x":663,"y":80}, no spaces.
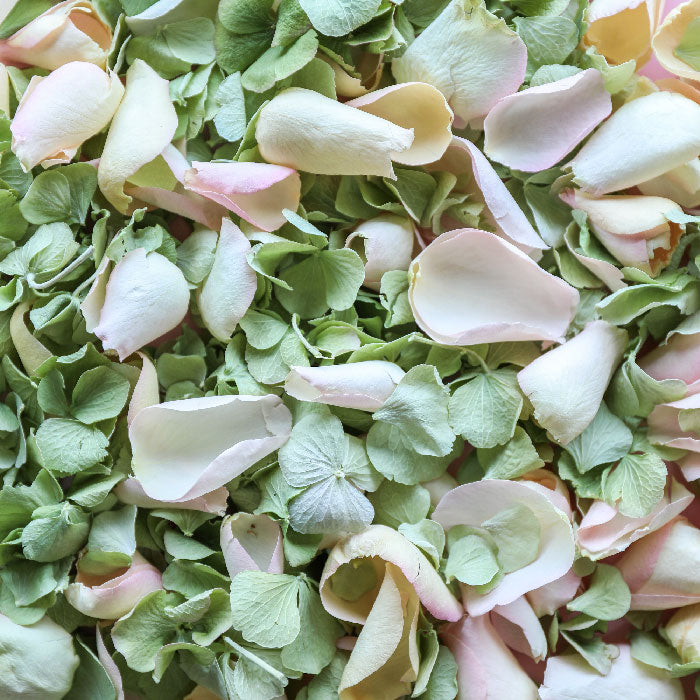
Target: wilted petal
{"x":251,"y":543}
{"x":183,"y":449}
{"x":146,"y":296}
{"x":570,"y":676}
{"x":474,"y":503}
{"x":670,"y":34}
{"x":142,"y":127}
{"x":682,"y":184}
{"x":131,"y":492}
{"x":384,"y":545}
{"x":518,"y":626}
{"x":535,"y":128}
{"x":642,"y":140}
{"x":61,"y":111}
{"x":547,"y":599}
{"x":362,"y":385}
{"x":230,"y":286}
{"x":485,"y":667}
{"x":470,"y":286}
{"x":257,"y":192}
{"x":566,"y":384}
{"x":69,"y":31}
{"x":146,"y":390}
{"x":304,"y":130}
{"x":470,"y":55}
{"x":108,"y":598}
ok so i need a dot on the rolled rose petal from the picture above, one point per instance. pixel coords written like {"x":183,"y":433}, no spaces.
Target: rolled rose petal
{"x":547,"y":599}
{"x":570,"y":676}
{"x":645,"y":138}
{"x":518,"y":626}
{"x":131,"y":492}
{"x":69,"y":31}
{"x":108,"y":662}
{"x":682,"y":184}
{"x":229,"y":288}
{"x":604,"y":531}
{"x":474,"y":503}
{"x":383,"y":545}
{"x":145,"y":297}
{"x":470,"y":286}
{"x":670,"y":34}
{"x":385,"y":243}
{"x":184,"y":449}
{"x":362,"y":385}
{"x":485,"y":666}
{"x":535,"y":128}
{"x":306,"y":131}
{"x":257,"y":192}
{"x":146,"y":391}
{"x":566,"y":384}
{"x":683,"y":631}
{"x":635,"y":229}
{"x":661,"y":568}
{"x":251,"y":543}
{"x":110,"y":597}
{"x":61,"y":111}
{"x":416,"y":106}
{"x":468,"y":54}
{"x":142,"y":127}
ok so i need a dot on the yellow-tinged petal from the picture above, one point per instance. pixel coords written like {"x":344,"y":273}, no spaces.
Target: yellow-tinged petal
{"x":669,"y":36}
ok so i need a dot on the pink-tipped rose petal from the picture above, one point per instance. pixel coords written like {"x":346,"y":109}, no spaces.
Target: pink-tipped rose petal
{"x":251,"y":543}
{"x":131,"y":492}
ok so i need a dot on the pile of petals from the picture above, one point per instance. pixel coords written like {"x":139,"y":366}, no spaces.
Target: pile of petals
{"x":349,"y":349}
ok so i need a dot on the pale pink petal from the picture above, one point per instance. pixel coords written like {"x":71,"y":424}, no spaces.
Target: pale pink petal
{"x":470,"y":286}
{"x":678,"y":358}
{"x":251,"y":543}
{"x":518,"y":626}
{"x":131,"y":492}
{"x":690,"y":466}
{"x":146,"y":390}
{"x":549,"y":480}
{"x":664,"y":422}
{"x":108,"y":662}
{"x":670,"y":34}
{"x":547,"y":599}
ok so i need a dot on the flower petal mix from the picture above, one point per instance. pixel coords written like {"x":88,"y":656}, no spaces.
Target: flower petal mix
{"x":349,"y":349}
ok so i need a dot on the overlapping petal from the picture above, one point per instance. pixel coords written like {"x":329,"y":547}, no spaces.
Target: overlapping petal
{"x":131,"y":492}
{"x":669,"y":36}
{"x":251,"y":543}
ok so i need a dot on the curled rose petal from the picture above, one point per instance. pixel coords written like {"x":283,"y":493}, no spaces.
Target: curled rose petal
{"x":145,"y":297}
{"x":474,"y":503}
{"x":682,"y":184}
{"x":184,"y":449}
{"x":604,"y":531}
{"x":677,"y":358}
{"x":643,"y":139}
{"x":306,"y":131}
{"x":142,"y":127}
{"x":635,"y":229}
{"x":382,"y":545}
{"x":257,"y":192}
{"x":518,"y":626}
{"x":546,"y":479}
{"x":535,"y":128}
{"x":470,"y":286}
{"x":672,"y":423}
{"x":229,"y":288}
{"x":670,"y":34}
{"x":61,"y":111}
{"x":485,"y":666}
{"x":566,"y":384}
{"x":385,"y":243}
{"x":416,"y":106}
{"x":683,"y":631}
{"x":131,"y":492}
{"x":470,"y":55}
{"x":547,"y":599}
{"x":69,"y":31}
{"x":361,"y":385}
{"x":251,"y":543}
{"x":146,"y":390}
{"x":110,"y":597}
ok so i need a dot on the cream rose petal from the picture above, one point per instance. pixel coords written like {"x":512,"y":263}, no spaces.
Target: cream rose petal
{"x":257,"y":192}
{"x":61,"y":111}
{"x":485,"y":667}
{"x":230,"y":286}
{"x":145,"y":297}
{"x":142,"y":127}
{"x":470,"y":286}
{"x":670,"y":34}
{"x":645,"y":138}
{"x":518,"y":626}
{"x":145,"y":392}
{"x":184,"y":449}
{"x":535,"y":128}
{"x":472,"y":504}
{"x":547,"y":599}
{"x":4,"y":90}
{"x":470,"y":55}
{"x":131,"y":492}
{"x":683,"y":631}
{"x":682,"y":184}
{"x":251,"y":543}
{"x":94,"y":300}
{"x":570,"y":677}
{"x":165,"y":12}
{"x":361,"y":385}
{"x":566,"y":384}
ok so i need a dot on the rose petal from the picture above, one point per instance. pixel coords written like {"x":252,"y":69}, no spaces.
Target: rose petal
{"x":251,"y":543}
{"x":683,"y":631}
{"x":183,"y":449}
{"x":677,"y":358}
{"x":4,"y":90}
{"x":495,"y":292}
{"x":470,"y":55}
{"x":306,"y":131}
{"x":145,"y":297}
{"x":142,"y":127}
{"x":257,"y":192}
{"x":566,"y":384}
{"x":545,"y":479}
{"x":108,"y":663}
{"x":146,"y":390}
{"x":670,"y":34}
{"x":61,"y":111}
{"x":131,"y":492}
{"x":535,"y":128}
{"x":472,"y":504}
{"x":230,"y":286}
{"x":94,"y":300}
{"x":664,"y":422}
{"x":642,"y":140}
{"x":547,"y":599}
{"x":682,"y":184}
{"x":519,"y":628}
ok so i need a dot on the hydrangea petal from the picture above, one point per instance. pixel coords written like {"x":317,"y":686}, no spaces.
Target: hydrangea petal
{"x":251,"y":543}
{"x":164,"y":12}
